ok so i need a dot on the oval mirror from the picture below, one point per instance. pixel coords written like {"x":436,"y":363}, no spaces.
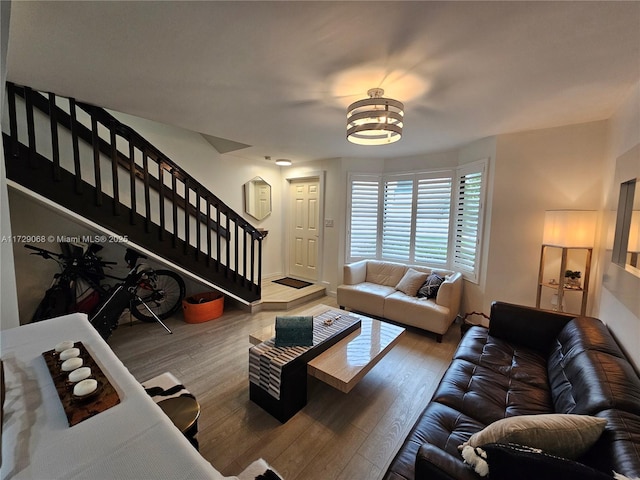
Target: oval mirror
{"x":257,"y":198}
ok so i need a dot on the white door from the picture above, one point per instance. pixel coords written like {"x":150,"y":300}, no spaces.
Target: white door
{"x":304,"y":228}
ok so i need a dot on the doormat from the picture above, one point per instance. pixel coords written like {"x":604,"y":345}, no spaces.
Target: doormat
{"x":292,"y":282}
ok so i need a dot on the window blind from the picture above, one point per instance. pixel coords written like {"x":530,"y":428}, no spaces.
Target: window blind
{"x":468,"y":214}
{"x":364,"y":217}
{"x":433,"y":208}
{"x":397,"y":219}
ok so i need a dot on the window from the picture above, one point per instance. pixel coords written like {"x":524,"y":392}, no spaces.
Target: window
{"x":468,"y":219}
{"x":412,"y":218}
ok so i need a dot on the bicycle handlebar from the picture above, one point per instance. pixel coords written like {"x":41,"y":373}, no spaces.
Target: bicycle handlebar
{"x":42,"y":252}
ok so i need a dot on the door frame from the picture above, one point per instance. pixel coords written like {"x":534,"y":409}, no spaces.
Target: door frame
{"x":319,"y":176}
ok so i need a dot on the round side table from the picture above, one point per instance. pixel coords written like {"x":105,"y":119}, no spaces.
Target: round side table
{"x":184,"y":413}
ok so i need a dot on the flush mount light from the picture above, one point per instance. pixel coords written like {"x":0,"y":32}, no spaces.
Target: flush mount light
{"x":283,"y":162}
{"x":375,"y":120}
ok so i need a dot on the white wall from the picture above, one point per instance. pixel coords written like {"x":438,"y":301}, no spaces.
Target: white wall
{"x":620,"y":288}
{"x":8,"y":296}
{"x":535,"y":171}
{"x":223,"y":174}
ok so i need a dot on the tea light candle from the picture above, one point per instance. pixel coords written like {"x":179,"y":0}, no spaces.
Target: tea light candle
{"x":79,"y":374}
{"x":85,"y":387}
{"x":71,"y":364}
{"x":69,"y":353}
{"x":62,"y":346}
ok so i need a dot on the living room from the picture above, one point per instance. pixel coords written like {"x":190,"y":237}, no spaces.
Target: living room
{"x":555,"y":163}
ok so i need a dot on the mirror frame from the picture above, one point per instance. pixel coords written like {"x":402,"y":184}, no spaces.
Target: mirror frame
{"x":252,"y":196}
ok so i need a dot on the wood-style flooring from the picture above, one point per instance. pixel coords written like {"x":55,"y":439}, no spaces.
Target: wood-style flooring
{"x":341,"y":436}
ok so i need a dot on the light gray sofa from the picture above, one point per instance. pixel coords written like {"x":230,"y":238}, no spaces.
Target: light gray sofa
{"x":370,"y":287}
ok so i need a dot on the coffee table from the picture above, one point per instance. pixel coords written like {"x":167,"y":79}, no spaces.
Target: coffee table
{"x":344,"y":364}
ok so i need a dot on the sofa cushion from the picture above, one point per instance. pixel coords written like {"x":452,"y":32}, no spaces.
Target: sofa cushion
{"x":411,"y":282}
{"x":365,"y":297}
{"x":384,"y":273}
{"x":564,"y":435}
{"x":431,"y":286}
{"x":589,"y":373}
{"x":489,"y":379}
{"x":417,"y":312}
{"x":618,"y":448}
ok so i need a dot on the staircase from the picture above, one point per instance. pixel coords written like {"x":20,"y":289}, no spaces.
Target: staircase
{"x":85,"y":160}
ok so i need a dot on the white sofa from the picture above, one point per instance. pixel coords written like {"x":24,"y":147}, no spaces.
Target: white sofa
{"x":370,"y":287}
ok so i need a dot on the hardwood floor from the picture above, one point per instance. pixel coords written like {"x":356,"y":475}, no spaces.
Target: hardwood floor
{"x":337,"y":436}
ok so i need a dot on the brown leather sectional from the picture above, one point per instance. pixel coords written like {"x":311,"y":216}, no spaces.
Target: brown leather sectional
{"x":528,"y":362}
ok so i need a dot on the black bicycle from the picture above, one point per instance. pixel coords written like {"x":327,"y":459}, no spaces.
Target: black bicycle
{"x":150,"y":295}
{"x":77,"y":287}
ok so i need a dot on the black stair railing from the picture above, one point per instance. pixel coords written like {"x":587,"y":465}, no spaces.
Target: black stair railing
{"x":135,"y":189}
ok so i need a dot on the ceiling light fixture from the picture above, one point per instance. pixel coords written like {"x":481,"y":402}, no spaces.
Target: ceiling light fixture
{"x":283,"y":162}
{"x":375,"y":120}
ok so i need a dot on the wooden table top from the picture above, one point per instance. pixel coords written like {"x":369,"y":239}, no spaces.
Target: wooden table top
{"x":344,"y":364}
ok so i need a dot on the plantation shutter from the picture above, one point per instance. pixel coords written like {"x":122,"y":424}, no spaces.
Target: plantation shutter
{"x":468,"y":214}
{"x":364,"y":217}
{"x":396,"y":220}
{"x":432,"y":220}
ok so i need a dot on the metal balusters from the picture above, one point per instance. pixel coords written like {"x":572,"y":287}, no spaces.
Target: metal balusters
{"x":95,"y":141}
{"x":147,"y":198}
{"x":209,"y":227}
{"x":114,"y":169}
{"x":55,"y":146}
{"x":161,"y":188}
{"x":31,"y":131}
{"x":132,"y":182}
{"x":13,"y":118}
{"x":186,"y":216}
{"x":174,"y":202}
{"x":76,"y":148}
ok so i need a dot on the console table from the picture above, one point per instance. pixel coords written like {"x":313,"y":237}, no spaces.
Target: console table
{"x":133,"y":439}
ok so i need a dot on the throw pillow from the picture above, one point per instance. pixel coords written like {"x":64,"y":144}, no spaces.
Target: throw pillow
{"x":411,"y":282}
{"x":564,"y":435}
{"x":506,"y":462}
{"x":431,"y":286}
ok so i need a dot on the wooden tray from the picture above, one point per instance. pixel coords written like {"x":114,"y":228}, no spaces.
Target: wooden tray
{"x":76,"y":409}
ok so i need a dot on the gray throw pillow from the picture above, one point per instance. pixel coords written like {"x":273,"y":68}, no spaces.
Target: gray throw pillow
{"x":431,"y":286}
{"x":411,"y":282}
{"x":563,"y":435}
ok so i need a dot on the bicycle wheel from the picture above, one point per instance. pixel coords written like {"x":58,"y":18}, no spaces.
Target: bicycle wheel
{"x":162,"y":294}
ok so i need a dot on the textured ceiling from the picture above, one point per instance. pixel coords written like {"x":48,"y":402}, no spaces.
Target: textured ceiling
{"x":279,"y":75}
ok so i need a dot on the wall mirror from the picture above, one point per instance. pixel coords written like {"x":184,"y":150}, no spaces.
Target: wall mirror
{"x":626,"y":244}
{"x":257,"y":198}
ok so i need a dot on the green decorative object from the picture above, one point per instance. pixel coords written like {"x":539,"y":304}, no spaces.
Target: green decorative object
{"x":294,"y":331}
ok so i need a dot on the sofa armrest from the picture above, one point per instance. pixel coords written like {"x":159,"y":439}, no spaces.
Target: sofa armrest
{"x":526,"y":326}
{"x":355,"y":273}
{"x":450,"y":293}
{"x":433,"y":463}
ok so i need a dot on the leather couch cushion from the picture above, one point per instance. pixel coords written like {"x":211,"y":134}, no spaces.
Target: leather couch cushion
{"x":366,"y":297}
{"x":384,"y":273}
{"x":440,"y":426}
{"x":588,"y":372}
{"x":490,"y":379}
{"x":618,"y":448}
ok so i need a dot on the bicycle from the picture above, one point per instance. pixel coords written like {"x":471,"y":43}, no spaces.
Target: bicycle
{"x":150,"y":295}
{"x":77,"y":287}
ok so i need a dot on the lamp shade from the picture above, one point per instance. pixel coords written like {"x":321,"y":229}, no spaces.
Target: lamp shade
{"x":569,"y":228}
